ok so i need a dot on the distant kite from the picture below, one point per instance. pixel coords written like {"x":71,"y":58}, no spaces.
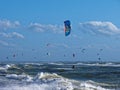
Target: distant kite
{"x":7,"y":58}
{"x":73,"y":55}
{"x":48,"y":54}
{"x":13,"y":55}
{"x":67,"y":27}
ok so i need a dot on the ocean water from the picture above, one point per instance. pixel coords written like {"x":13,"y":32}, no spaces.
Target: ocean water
{"x":60,"y":76}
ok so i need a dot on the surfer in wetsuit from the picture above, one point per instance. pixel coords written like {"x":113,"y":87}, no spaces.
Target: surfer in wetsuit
{"x":73,"y":67}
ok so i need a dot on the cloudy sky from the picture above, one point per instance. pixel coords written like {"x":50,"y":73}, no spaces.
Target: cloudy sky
{"x":33,"y":30}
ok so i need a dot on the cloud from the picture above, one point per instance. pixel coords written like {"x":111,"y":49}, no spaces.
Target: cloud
{"x":18,"y":35}
{"x":98,"y":27}
{"x":5,"y":43}
{"x":6,"y":24}
{"x":46,"y":28}
{"x":11,"y":35}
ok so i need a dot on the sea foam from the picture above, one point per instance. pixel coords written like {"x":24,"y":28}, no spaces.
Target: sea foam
{"x":48,"y":81}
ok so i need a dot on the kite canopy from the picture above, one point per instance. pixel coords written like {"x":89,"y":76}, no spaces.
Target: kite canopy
{"x":67,"y":27}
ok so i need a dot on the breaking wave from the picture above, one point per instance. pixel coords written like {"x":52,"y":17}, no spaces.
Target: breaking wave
{"x":60,"y":76}
{"x":48,"y":81}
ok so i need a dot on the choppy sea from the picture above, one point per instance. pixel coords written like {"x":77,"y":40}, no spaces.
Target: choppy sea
{"x":60,"y":76}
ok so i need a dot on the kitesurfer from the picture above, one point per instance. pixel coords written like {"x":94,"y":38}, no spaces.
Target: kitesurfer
{"x":73,"y":67}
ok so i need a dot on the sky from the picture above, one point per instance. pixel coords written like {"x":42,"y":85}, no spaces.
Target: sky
{"x":33,"y":30}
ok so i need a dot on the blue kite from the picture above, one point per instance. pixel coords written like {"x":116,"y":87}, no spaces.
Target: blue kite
{"x":67,"y":27}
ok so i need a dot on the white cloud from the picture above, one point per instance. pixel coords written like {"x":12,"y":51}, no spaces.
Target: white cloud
{"x":11,"y":35}
{"x":4,"y":43}
{"x":6,"y":24}
{"x":46,"y":28}
{"x":18,"y":35}
{"x":98,"y":27}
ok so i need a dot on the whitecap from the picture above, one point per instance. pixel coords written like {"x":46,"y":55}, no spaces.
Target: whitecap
{"x":99,"y":64}
{"x":19,"y":77}
{"x":49,"y":81}
{"x":56,"y":63}
{"x":6,"y":67}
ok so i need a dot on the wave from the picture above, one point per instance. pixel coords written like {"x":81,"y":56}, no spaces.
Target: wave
{"x":6,"y":66}
{"x":49,"y":81}
{"x":63,"y":68}
{"x":38,"y":64}
{"x":100,"y":64}
{"x":56,"y":63}
{"x":91,"y":85}
{"x":89,"y":64}
{"x":19,"y":77}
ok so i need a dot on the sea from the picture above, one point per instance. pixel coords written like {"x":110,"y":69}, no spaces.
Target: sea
{"x":62,"y":75}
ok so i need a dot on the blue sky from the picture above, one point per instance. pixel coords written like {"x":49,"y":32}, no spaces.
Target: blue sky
{"x":32,"y":28}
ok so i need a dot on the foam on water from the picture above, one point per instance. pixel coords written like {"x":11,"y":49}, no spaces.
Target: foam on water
{"x":64,"y":68}
{"x":19,"y":77}
{"x":48,"y":81}
{"x":35,"y":87}
{"x":100,"y":64}
{"x":5,"y":67}
{"x":90,"y":64}
{"x":37,"y":76}
{"x":33,"y":64}
{"x":91,"y":85}
{"x":56,"y":63}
